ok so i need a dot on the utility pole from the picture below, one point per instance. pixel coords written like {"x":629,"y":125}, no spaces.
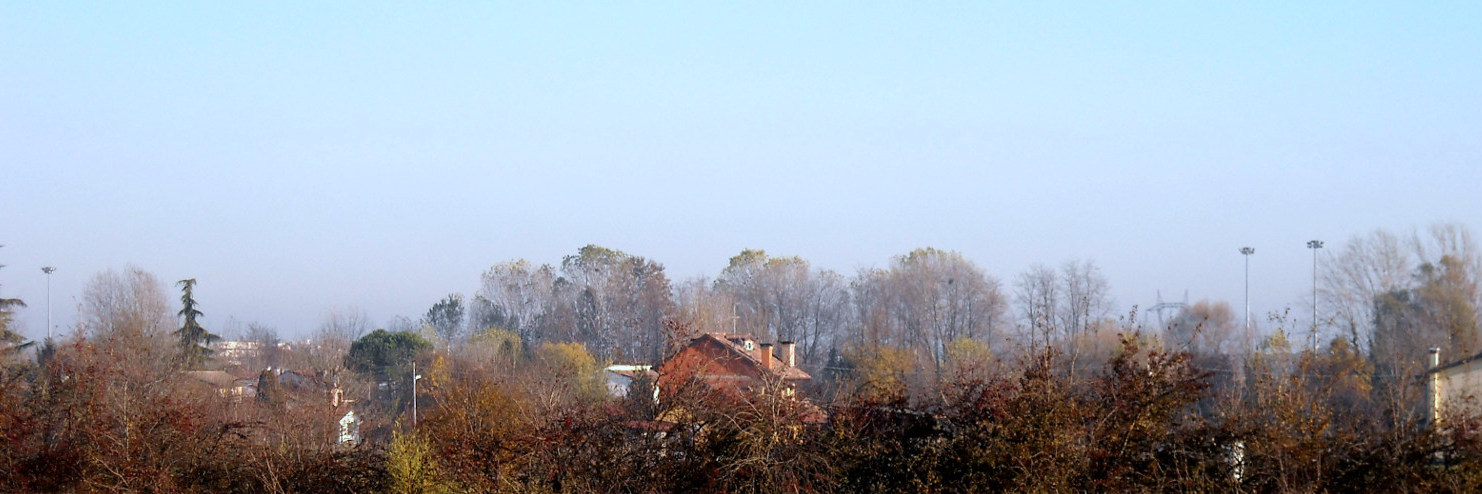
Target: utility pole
{"x":48,"y":270}
{"x":1314,"y":245}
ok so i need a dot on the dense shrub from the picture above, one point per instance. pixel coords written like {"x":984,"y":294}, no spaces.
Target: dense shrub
{"x":1147,"y":420}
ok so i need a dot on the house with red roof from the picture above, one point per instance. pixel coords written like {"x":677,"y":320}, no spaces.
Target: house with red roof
{"x":732,"y":363}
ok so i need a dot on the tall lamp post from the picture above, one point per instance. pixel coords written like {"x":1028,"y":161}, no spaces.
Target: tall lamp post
{"x":48,"y":270}
{"x":1314,"y":245}
{"x":1246,"y":252}
{"x":415,"y":377}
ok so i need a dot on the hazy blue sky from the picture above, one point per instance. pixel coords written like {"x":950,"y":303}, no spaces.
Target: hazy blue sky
{"x":295,"y":157}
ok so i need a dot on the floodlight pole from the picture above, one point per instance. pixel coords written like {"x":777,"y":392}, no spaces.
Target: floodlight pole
{"x":1246,"y":252}
{"x":48,"y":270}
{"x":1314,"y":245}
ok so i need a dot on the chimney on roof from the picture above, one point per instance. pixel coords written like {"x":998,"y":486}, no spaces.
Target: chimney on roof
{"x":766,"y":356}
{"x":790,"y":354}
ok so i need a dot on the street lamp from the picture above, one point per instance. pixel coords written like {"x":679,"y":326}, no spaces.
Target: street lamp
{"x":48,"y":270}
{"x":415,"y":377}
{"x":1314,"y":245}
{"x":1246,"y":252}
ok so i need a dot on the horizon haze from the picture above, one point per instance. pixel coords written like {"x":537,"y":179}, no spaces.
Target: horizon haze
{"x":299,"y":158}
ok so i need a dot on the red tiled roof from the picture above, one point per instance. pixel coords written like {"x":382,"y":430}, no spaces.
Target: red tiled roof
{"x":789,"y":373}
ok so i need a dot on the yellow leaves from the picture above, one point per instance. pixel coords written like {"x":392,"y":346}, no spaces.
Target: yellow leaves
{"x":570,"y":359}
{"x":437,"y":375}
{"x":412,"y":468}
{"x":1277,"y":343}
{"x":968,"y":350}
{"x":880,"y":374}
{"x":1347,"y":371}
{"x":572,"y":367}
{"x":499,"y":339}
{"x":969,"y":357}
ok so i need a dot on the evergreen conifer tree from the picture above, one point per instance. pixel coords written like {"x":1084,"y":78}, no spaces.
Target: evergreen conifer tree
{"x":195,"y":341}
{"x":10,"y":341}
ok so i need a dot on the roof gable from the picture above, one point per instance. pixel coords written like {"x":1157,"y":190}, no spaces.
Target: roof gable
{"x":719,"y":355}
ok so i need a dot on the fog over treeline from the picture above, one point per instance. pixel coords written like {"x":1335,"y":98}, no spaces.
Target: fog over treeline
{"x":1391,"y":293}
{"x":926,"y":375}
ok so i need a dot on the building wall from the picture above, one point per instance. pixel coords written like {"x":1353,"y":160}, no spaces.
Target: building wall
{"x":1459,"y":386}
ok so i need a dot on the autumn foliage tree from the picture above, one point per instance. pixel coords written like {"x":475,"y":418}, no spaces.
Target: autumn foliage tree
{"x":918,"y":393}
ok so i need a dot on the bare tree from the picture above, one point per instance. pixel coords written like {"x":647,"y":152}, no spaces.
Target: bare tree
{"x":827,"y":315}
{"x":1086,"y":298}
{"x":400,"y":323}
{"x":646,"y":294}
{"x":348,"y":323}
{"x":745,"y":280}
{"x":266,"y":341}
{"x":1368,"y":267}
{"x":1398,"y":297}
{"x":1037,"y":292}
{"x":132,"y":302}
{"x":338,"y":328}
{"x":784,"y":299}
{"x":1069,"y":303}
{"x":515,"y":296}
{"x":1452,"y":254}
{"x":614,"y":303}
{"x":874,"y":327}
{"x":929,"y":299}
{"x":703,"y":306}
